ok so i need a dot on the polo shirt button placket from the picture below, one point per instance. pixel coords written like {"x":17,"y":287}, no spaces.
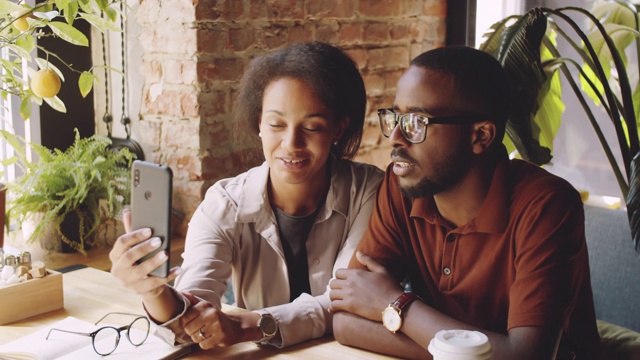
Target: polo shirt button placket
{"x":447,"y":271}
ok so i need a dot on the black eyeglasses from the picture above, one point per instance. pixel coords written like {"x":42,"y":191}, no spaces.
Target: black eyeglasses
{"x":414,"y":126}
{"x":106,"y":339}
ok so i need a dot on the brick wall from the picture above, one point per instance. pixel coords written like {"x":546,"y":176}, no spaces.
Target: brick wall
{"x":195,"y":51}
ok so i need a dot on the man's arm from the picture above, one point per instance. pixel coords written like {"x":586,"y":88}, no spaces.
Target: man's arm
{"x":364,"y":294}
{"x":349,"y":328}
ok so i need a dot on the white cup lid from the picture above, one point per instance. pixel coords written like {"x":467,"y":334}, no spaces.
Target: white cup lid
{"x":460,"y":342}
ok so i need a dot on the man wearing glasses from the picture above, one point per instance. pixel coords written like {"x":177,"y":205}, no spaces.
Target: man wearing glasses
{"x":486,"y":243}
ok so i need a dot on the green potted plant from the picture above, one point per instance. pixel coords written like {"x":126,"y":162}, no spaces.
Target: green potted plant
{"x":83,"y":185}
{"x":526,"y":46}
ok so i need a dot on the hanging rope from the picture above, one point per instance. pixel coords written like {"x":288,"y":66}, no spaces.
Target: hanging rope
{"x":125,"y":120}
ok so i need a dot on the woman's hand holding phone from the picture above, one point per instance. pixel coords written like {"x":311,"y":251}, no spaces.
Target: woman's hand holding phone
{"x":126,"y":256}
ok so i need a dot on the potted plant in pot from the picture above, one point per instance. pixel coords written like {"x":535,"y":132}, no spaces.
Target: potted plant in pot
{"x":71,"y":191}
{"x":526,"y":46}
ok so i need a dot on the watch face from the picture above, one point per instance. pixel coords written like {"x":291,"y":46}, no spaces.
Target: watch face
{"x":391,"y":319}
{"x":268,"y":325}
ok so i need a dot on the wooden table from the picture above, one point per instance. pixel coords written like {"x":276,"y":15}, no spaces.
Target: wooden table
{"x":89,"y":293}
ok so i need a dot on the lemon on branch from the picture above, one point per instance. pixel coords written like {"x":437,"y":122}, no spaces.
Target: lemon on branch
{"x":45,"y":83}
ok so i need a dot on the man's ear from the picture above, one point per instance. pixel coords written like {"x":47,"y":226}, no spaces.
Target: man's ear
{"x":482,"y":136}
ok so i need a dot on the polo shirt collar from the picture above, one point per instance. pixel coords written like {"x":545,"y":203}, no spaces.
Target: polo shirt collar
{"x":493,"y":215}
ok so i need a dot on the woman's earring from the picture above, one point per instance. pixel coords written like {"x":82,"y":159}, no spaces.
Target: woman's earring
{"x":260,"y":134}
{"x":335,"y":142}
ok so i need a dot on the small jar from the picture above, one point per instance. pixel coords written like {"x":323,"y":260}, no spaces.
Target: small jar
{"x":25,"y":259}
{"x":10,"y":260}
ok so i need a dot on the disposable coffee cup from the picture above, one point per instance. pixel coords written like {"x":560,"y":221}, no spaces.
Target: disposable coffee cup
{"x":460,"y":345}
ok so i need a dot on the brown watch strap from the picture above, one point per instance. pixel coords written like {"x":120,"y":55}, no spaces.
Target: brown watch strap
{"x":404,"y":300}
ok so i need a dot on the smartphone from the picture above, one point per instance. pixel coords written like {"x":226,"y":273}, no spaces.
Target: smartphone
{"x":151,"y":193}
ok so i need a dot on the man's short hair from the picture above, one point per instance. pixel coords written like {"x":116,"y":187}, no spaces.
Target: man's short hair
{"x":478,"y":77}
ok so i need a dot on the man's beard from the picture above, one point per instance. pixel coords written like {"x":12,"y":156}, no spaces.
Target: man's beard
{"x":424,"y":188}
{"x":447,"y":175}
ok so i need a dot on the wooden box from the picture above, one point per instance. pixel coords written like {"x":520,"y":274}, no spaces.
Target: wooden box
{"x":32,"y":297}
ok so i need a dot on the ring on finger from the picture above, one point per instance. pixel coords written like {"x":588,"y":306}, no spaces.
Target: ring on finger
{"x":201,"y":335}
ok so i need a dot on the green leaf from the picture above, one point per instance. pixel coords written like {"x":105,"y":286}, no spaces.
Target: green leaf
{"x":112,"y":14}
{"x":9,"y":6}
{"x":25,"y":107}
{"x":61,"y":4}
{"x":68,"y":33}
{"x":102,"y":4}
{"x":100,"y":23}
{"x":85,"y":83}
{"x":19,"y":51}
{"x":85,"y":5}
{"x":519,"y":53}
{"x":71,"y":11}
{"x":612,"y":12}
{"x":28,"y":43}
{"x":56,"y":104}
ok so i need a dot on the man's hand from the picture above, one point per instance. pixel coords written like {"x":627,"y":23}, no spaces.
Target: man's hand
{"x":363,"y":292}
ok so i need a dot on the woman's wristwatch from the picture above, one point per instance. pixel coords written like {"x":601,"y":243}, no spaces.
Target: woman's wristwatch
{"x":392,"y":314}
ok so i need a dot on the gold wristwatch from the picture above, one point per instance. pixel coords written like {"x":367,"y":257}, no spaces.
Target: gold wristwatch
{"x":392,"y":314}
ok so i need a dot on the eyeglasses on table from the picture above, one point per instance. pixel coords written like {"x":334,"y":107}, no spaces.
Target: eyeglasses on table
{"x":105,"y":340}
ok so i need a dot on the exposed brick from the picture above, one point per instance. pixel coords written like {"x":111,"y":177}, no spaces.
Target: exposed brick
{"x":148,"y":12}
{"x":183,"y":134}
{"x":350,"y":33}
{"x":151,"y":71}
{"x":412,"y":7}
{"x":214,"y":103}
{"x":359,"y":56}
{"x":180,"y":72}
{"x":241,"y":39}
{"x":390,"y":58}
{"x":399,"y":32}
{"x":168,"y":102}
{"x":150,"y":134}
{"x":185,"y":164}
{"x":374,"y":84}
{"x":237,"y":10}
{"x":177,"y":11}
{"x":327,"y":33}
{"x":212,"y":41}
{"x":226,"y":69}
{"x":191,"y":71}
{"x":258,"y":10}
{"x":436,"y":8}
{"x":300,"y":33}
{"x":189,"y":106}
{"x":217,"y":134}
{"x":417,"y":31}
{"x":376,"y":32}
{"x":391,"y":80}
{"x":209,"y":9}
{"x":285,"y":9}
{"x":331,"y":9}
{"x":274,"y":36}
{"x":380,"y":8}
